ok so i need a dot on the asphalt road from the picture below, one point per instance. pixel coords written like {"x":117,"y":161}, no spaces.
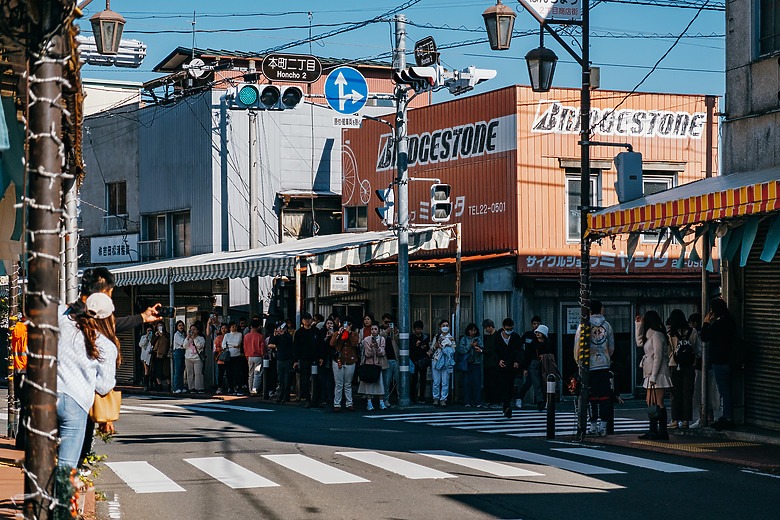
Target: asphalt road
{"x":196,"y":459}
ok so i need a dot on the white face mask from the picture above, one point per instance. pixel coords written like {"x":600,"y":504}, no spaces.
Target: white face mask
{"x":445,"y":330}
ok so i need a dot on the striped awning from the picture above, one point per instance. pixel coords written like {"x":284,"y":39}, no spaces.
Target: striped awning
{"x":319,"y":254}
{"x":728,"y":196}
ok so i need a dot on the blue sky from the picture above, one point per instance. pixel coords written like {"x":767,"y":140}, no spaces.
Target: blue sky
{"x":627,"y":40}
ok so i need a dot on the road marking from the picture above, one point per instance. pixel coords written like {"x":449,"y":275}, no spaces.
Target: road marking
{"x":395,"y":465}
{"x":230,"y":473}
{"x":486,"y":466}
{"x":228,"y":407}
{"x":314,"y":469}
{"x":755,"y":472}
{"x":577,"y":467}
{"x":180,"y":407}
{"x":142,"y":477}
{"x":630,"y":460}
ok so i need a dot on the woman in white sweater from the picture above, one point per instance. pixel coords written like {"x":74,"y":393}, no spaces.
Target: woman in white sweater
{"x":651,"y":335}
{"x":86,"y":364}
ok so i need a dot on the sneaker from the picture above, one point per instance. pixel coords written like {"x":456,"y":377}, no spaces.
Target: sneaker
{"x":602,"y":426}
{"x":337,"y":409}
{"x":673,"y":425}
{"x":383,"y":406}
{"x":508,"y":412}
{"x":435,"y":402}
{"x":350,"y":408}
{"x":443,"y":402}
{"x":370,"y":406}
{"x":219,"y":391}
{"x":468,"y":405}
{"x":696,"y":424}
{"x":519,"y":403}
{"x":593,"y":428}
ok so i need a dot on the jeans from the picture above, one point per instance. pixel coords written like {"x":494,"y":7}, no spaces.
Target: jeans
{"x":255,"y":364}
{"x":421,"y":375}
{"x":304,"y":368}
{"x":283,"y":369}
{"x":723,"y":380}
{"x":493,"y":385}
{"x":473,"y":384}
{"x":343,"y":380}
{"x":194,"y":374}
{"x":72,"y":420}
{"x":682,"y":393}
{"x":178,"y":369}
{"x":390,"y":377}
{"x":534,"y":378}
{"x":441,"y":384}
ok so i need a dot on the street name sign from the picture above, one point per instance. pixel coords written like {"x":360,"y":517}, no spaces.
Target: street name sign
{"x":556,"y":10}
{"x":295,"y":68}
{"x":425,"y":53}
{"x":346,"y":90}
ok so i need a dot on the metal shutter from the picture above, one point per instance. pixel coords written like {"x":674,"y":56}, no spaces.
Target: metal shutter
{"x":760,"y":325}
{"x":127,"y":344}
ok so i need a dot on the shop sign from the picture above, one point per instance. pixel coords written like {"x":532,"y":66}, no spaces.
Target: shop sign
{"x":606,"y":261}
{"x":114,"y":249}
{"x":339,"y":282}
{"x":220,"y":286}
{"x":554,"y":10}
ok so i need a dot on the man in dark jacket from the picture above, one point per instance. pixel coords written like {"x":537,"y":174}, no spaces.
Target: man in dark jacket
{"x":531,"y":370}
{"x":305,"y":343}
{"x":490,"y":364}
{"x":282,"y":343}
{"x":509,"y":349}
{"x":720,"y":330}
{"x":419,"y":345}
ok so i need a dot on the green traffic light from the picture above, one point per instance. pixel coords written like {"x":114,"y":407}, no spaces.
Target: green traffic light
{"x":247,"y":95}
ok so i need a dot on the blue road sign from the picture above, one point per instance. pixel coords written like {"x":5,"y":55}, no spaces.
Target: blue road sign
{"x":346,"y":90}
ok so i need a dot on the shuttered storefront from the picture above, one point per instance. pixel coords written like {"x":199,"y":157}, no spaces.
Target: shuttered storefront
{"x":761,"y":324}
{"x":127,"y":344}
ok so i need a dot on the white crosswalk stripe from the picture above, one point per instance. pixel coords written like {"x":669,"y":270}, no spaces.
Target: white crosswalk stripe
{"x":230,"y":473}
{"x":577,"y":467}
{"x":131,"y":406}
{"x":395,"y":465}
{"x":524,"y":423}
{"x":142,"y":477}
{"x":486,"y":466}
{"x":639,"y":462}
{"x":314,"y":469}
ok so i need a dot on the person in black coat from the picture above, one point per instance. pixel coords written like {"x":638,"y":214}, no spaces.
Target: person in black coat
{"x":508,"y":348}
{"x":720,"y":330}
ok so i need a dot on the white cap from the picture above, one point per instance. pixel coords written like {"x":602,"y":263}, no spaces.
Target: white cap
{"x":100,"y":305}
{"x":543,"y":329}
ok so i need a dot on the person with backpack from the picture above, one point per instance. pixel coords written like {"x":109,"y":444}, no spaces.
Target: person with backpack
{"x":682,"y":358}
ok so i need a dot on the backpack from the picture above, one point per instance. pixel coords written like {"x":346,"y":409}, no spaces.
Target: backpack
{"x":685,"y":353}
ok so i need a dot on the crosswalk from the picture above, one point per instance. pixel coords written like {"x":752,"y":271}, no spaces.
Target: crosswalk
{"x":142,"y":406}
{"x":524,"y":423}
{"x":144,"y":478}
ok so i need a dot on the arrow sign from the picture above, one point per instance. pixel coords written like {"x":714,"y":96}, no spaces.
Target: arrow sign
{"x":346,"y":90}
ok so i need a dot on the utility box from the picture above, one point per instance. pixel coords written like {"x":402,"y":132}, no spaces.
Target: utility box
{"x":629,"y":176}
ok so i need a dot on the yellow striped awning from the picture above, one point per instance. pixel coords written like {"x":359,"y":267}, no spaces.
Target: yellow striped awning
{"x":715,"y":198}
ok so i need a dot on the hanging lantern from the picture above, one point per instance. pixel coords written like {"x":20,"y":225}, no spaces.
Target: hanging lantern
{"x":499,"y":22}
{"x":107,"y":27}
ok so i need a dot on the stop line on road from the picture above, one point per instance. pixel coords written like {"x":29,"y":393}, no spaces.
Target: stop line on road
{"x":144,"y":478}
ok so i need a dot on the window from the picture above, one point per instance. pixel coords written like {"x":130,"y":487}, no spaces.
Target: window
{"x":355,"y":217}
{"x":654,"y":183}
{"x":116,"y":198}
{"x":769,"y":27}
{"x":573,"y":195}
{"x":153,"y":246}
{"x":181,"y":234}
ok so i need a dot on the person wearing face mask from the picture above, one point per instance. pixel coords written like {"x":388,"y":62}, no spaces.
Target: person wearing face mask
{"x":509,"y":348}
{"x":374,"y":354}
{"x":146,"y":355}
{"x":443,"y":355}
{"x":531,"y":372}
{"x":161,"y":342}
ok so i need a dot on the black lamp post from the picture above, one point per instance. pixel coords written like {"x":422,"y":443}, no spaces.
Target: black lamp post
{"x":499,"y":20}
{"x":107,"y":27}
{"x":541,"y":66}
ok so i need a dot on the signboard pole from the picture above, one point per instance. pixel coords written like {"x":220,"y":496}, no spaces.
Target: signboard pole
{"x":399,"y":62}
{"x":254,"y":217}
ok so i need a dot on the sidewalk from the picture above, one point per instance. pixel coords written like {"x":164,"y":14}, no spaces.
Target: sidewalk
{"x":11,"y":478}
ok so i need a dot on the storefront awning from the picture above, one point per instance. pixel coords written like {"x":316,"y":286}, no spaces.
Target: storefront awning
{"x":318,"y":254}
{"x":710,"y":199}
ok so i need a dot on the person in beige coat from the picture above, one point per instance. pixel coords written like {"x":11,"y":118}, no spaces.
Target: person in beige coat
{"x":374,"y":354}
{"x":651,"y":336}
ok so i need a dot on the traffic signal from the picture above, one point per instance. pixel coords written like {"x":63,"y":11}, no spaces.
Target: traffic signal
{"x":386,"y":212}
{"x":441,"y":207}
{"x":469,"y":78}
{"x":629,"y":184}
{"x":423,"y":79}
{"x":264,"y":97}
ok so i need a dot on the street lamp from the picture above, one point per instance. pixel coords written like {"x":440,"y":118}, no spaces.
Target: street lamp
{"x":541,"y":67}
{"x":499,"y":21}
{"x":107,"y":27}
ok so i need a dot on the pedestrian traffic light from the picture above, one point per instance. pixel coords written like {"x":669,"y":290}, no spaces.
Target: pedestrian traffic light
{"x":263,"y":97}
{"x":469,"y":78}
{"x":386,"y":212}
{"x":441,"y":207}
{"x":629,"y":184}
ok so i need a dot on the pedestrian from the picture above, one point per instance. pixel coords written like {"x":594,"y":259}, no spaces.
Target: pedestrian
{"x":222,"y":385}
{"x":243,"y":328}
{"x":490,"y":366}
{"x":325,"y":358}
{"x":442,"y":362}
{"x":254,"y":349}
{"x":194,"y":356}
{"x":720,"y":330}
{"x":146,"y":355}
{"x":509,"y":348}
{"x":602,"y":347}
{"x":651,"y":336}
{"x":305,"y":342}
{"x":88,"y":353}
{"x":530,"y":377}
{"x":232,"y":342}
{"x":19,"y":350}
{"x":713,"y":398}
{"x":683,"y":346}
{"x":161,"y":349}
{"x":282,"y":344}
{"x":179,"y":346}
{"x":345,"y":342}
{"x":365,"y":330}
{"x":419,"y":345}
{"x":390,"y":374}
{"x":373,"y":354}
{"x":470,"y":346}
{"x":319,"y":321}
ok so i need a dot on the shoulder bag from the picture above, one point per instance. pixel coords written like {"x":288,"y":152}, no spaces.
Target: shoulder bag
{"x":106,"y":407}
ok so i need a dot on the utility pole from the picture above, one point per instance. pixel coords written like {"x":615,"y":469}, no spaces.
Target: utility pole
{"x":13,"y":409}
{"x":254,"y":213}
{"x":401,"y":142}
{"x":48,"y":54}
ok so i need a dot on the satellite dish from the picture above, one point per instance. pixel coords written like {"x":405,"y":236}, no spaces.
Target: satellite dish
{"x":195,"y":68}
